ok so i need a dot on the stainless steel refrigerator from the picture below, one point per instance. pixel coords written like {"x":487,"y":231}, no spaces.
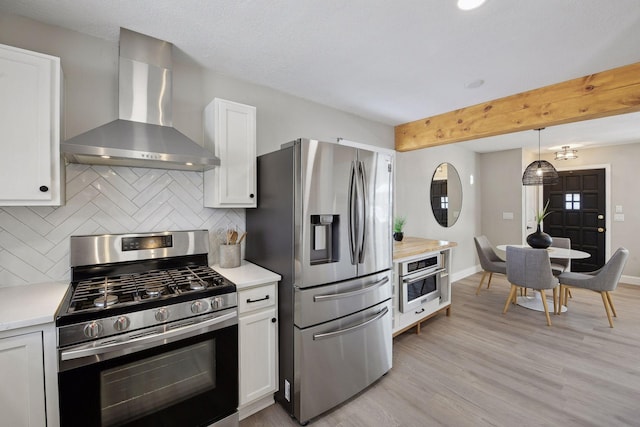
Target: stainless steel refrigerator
{"x":323,"y":222}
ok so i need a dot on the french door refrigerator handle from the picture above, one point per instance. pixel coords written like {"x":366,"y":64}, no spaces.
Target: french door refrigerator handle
{"x":363,"y":211}
{"x":352,"y":211}
{"x":319,"y":298}
{"x":332,"y":334}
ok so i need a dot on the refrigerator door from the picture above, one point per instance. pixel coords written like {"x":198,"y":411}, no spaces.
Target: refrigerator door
{"x":377,"y":245}
{"x":322,"y":233}
{"x":340,"y":358}
{"x":324,"y":303}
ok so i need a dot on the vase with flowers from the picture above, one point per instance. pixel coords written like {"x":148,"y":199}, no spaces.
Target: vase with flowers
{"x":539,"y":239}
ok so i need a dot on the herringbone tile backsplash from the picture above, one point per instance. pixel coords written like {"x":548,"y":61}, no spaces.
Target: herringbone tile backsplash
{"x":34,"y":241}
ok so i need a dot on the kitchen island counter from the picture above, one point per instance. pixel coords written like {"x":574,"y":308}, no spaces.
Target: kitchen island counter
{"x":412,"y":246}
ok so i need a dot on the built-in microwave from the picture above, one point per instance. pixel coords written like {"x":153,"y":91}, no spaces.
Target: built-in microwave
{"x":419,"y":282}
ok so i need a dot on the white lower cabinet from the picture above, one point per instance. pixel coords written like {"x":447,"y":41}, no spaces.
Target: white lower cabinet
{"x":257,"y":338}
{"x":22,"y":394}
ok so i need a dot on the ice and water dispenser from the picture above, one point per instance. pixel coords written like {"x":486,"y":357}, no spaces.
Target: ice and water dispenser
{"x":325,"y":239}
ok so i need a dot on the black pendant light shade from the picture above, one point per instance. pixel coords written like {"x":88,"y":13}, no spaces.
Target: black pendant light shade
{"x":540,"y":172}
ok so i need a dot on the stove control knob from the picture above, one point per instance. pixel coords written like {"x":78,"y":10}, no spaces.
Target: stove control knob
{"x":216,"y":303}
{"x":121,"y":323}
{"x":162,"y":314}
{"x":92,"y":330}
{"x":199,"y":307}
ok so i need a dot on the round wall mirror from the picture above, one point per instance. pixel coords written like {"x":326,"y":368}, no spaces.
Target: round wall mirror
{"x":446,"y":194}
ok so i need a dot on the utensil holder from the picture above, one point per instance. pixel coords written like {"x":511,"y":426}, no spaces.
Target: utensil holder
{"x":229,"y":256}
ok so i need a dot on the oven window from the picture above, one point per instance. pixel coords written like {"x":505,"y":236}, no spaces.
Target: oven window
{"x":421,"y":287}
{"x":186,"y":383}
{"x":149,"y":385}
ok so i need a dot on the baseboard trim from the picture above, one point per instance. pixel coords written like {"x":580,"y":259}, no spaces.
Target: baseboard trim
{"x":459,"y":275}
{"x":630,"y":280}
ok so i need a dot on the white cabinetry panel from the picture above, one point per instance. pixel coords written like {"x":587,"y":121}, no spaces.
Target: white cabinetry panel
{"x":22,"y":397}
{"x":29,"y":128}
{"x":230,"y":132}
{"x":257,"y":355}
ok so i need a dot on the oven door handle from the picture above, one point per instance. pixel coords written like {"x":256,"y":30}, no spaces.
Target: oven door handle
{"x":320,"y":298}
{"x":422,"y":276}
{"x":332,"y":334}
{"x":151,"y":340}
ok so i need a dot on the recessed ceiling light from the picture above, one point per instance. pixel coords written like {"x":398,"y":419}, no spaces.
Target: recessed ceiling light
{"x":474,"y":84}
{"x":106,"y":157}
{"x":469,"y":4}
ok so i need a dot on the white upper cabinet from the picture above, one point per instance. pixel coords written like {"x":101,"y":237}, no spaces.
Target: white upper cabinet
{"x":230,"y":132}
{"x":30,"y":103}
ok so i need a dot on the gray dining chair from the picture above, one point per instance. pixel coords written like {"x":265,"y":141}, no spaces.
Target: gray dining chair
{"x":530,"y":268}
{"x":604,"y":281}
{"x":489,"y":260}
{"x":560,"y":265}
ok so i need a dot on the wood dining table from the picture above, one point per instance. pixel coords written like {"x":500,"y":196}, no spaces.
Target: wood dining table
{"x":534,"y":302}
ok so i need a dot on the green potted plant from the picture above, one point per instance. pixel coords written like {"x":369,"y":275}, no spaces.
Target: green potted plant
{"x":539,"y":239}
{"x":398,"y":225}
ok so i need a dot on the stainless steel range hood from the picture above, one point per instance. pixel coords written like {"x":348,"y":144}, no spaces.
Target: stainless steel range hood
{"x":143,"y":135}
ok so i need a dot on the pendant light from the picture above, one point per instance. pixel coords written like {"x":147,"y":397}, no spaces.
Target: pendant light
{"x":540,"y":172}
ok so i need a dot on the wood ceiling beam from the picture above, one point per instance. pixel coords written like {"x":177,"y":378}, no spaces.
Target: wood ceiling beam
{"x":603,"y":94}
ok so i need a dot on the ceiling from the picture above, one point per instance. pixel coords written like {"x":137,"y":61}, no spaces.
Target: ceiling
{"x":388,"y":61}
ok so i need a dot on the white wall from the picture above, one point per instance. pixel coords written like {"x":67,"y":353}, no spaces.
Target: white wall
{"x":34,"y":241}
{"x":501,"y":193}
{"x":414,"y":170}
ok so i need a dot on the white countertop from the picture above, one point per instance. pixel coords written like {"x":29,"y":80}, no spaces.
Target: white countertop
{"x":247,"y":275}
{"x":29,"y":305}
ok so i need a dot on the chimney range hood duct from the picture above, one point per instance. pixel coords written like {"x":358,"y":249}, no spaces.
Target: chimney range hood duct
{"x":143,"y":135}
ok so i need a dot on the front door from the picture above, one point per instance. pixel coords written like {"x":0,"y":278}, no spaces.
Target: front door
{"x":577,"y":206}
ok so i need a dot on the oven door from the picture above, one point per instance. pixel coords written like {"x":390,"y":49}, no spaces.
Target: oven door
{"x":418,"y":288}
{"x":190,"y":381}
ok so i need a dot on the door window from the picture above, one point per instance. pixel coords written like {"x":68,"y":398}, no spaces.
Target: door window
{"x":572,"y":201}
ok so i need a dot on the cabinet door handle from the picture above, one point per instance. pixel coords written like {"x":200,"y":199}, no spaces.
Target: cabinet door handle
{"x":420,"y":311}
{"x":251,"y":196}
{"x":249,"y":300}
{"x":44,"y":188}
{"x":273,"y":320}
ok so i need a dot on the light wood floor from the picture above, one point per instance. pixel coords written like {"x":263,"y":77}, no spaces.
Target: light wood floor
{"x":482,"y":368}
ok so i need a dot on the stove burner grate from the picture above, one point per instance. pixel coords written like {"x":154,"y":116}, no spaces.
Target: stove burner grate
{"x":103,"y":292}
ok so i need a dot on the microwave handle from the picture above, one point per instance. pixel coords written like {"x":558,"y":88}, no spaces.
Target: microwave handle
{"x":432,"y":273}
{"x":320,"y":298}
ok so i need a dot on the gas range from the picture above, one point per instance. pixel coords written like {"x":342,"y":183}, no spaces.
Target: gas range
{"x":128,"y":282}
{"x":147,"y":333}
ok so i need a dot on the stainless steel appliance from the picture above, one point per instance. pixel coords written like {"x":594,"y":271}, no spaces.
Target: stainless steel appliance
{"x":143,"y":135}
{"x":147,"y":334}
{"x":420,"y":281}
{"x":323,"y":222}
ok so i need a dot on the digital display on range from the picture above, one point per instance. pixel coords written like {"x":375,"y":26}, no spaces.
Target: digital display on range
{"x":146,"y":242}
